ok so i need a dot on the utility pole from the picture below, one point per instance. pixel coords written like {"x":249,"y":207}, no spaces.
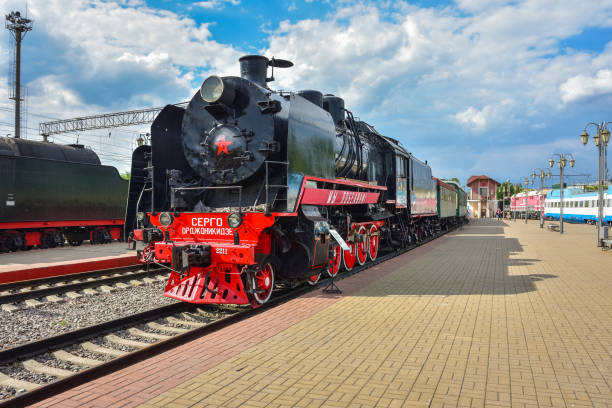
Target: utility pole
{"x":562,"y":163}
{"x":18,"y":26}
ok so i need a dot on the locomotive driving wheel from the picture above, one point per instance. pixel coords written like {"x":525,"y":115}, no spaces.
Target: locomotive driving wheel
{"x":334,"y":262}
{"x":362,"y":245}
{"x":314,"y":279}
{"x":374,"y":239}
{"x":348,"y":256}
{"x":263,"y":281}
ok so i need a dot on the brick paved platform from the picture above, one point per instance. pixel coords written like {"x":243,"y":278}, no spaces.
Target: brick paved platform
{"x":42,"y":263}
{"x":497,"y":314}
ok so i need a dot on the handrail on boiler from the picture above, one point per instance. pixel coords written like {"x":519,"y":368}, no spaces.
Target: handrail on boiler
{"x":215,"y":188}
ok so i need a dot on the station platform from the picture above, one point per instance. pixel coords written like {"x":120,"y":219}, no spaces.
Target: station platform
{"x":495,"y":314}
{"x":41,"y":263}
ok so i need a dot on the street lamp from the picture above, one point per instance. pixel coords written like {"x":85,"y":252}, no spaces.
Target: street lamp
{"x":562,"y":163}
{"x":526,"y":199}
{"x":601,"y":139}
{"x":504,"y":198}
{"x":542,"y":174}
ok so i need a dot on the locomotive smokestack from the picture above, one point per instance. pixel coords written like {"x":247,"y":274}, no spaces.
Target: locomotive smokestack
{"x":254,"y":68}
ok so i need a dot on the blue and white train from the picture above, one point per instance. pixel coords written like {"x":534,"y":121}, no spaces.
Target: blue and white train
{"x":578,"y":206}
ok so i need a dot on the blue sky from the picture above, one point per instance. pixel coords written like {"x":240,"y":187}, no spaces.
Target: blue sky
{"x":473,"y":86}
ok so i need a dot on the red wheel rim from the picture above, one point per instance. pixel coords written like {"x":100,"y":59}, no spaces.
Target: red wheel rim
{"x":348,"y":257}
{"x":334,"y":263}
{"x":362,"y":246}
{"x":373,"y":242}
{"x":264,"y":281}
{"x":314,"y":279}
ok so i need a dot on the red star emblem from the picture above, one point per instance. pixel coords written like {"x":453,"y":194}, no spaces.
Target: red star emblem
{"x":222,"y":146}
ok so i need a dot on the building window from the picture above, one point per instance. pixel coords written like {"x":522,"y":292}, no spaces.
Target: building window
{"x":484,"y":191}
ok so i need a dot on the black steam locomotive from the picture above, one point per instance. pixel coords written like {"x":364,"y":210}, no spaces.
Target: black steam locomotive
{"x":248,"y":186}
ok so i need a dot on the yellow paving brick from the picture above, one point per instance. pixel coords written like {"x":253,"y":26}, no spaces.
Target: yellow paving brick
{"x":495,"y":314}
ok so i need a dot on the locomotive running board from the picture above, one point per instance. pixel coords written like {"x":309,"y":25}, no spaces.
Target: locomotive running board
{"x":339,"y":239}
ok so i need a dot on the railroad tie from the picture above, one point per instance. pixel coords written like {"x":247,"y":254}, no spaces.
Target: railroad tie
{"x":107,"y":289}
{"x":191,"y":317}
{"x":163,"y":327}
{"x":95,"y":348}
{"x":126,"y":342}
{"x":122,"y":285}
{"x":203,"y":312}
{"x":155,"y":336}
{"x":174,"y":320}
{"x":32,"y":303}
{"x":17,"y":384}
{"x":36,"y":367}
{"x":73,"y":295}
{"x":90,"y":291}
{"x":148,"y":280}
{"x":7,"y":307}
{"x":135,"y":282}
{"x":161,"y":278}
{"x":71,"y":358}
{"x":54,"y":299}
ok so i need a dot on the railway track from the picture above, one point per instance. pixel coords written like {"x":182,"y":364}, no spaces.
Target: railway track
{"x":112,"y":345}
{"x":34,"y":292}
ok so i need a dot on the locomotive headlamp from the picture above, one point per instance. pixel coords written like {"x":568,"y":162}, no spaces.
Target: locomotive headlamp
{"x":234,"y":220}
{"x":165,"y":219}
{"x":215,"y":89}
{"x":140,"y":216}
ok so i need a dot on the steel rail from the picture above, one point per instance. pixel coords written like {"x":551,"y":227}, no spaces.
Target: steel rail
{"x":71,"y":276}
{"x":53,"y":290}
{"x":108,"y":367}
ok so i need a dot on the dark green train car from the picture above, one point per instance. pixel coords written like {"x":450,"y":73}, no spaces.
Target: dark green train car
{"x":461,"y":209}
{"x":447,"y":203}
{"x":50,"y":192}
{"x":452,"y":203}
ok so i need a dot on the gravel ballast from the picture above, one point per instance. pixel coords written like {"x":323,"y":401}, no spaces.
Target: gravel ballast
{"x":31,"y":324}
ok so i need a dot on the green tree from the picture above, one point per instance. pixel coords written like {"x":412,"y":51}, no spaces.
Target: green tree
{"x":126,"y":175}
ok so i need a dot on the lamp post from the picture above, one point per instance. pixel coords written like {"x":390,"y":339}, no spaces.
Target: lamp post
{"x":504,"y":198}
{"x":562,"y":163}
{"x":526,"y":199}
{"x":542,"y":174}
{"x":601,"y":138}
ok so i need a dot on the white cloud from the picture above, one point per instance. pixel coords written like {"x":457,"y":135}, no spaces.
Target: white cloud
{"x":412,"y":71}
{"x":581,"y":86}
{"x":501,"y":65}
{"x":474,"y":117}
{"x":214,"y":4}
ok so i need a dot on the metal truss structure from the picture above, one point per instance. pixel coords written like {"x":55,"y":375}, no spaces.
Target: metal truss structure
{"x":104,"y":121}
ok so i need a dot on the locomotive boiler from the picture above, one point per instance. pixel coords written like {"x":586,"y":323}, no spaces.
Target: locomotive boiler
{"x":248,"y":186}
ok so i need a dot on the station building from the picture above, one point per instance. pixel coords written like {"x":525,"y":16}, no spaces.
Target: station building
{"x":482,"y":201}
